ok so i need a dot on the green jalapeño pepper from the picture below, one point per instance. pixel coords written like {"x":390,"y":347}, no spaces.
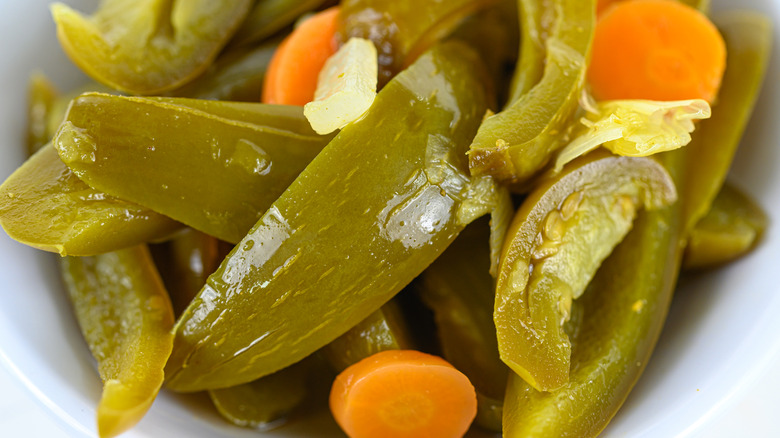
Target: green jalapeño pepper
{"x":515,"y":143}
{"x":369,"y":213}
{"x":557,"y":240}
{"x":728,"y":231}
{"x":536,"y":21}
{"x":264,"y":403}
{"x":382,"y":330}
{"x":44,"y":205}
{"x":41,"y":96}
{"x":494,"y":33}
{"x":620,"y":318}
{"x":184,"y":263}
{"x":402,"y":30}
{"x":126,"y":317}
{"x":270,"y":16}
{"x":215,"y":166}
{"x":459,"y":290}
{"x":629,"y":297}
{"x":60,"y":106}
{"x":148,"y":46}
{"x":748,"y":38}
{"x":237,"y":75}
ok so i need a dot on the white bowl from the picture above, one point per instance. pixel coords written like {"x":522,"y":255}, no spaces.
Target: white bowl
{"x":721,"y":335}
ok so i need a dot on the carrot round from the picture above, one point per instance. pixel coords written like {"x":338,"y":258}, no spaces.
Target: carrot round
{"x":291,"y":78}
{"x":403,"y":393}
{"x":657,"y":50}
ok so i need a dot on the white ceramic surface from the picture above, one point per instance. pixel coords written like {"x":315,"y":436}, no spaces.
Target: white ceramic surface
{"x":719,"y":341}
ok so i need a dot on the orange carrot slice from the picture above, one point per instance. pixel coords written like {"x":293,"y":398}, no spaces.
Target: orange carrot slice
{"x":403,"y":393}
{"x":657,"y":50}
{"x":291,"y":78}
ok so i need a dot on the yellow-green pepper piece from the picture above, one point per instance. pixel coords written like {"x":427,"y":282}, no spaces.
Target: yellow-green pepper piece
{"x":126,"y":318}
{"x":384,"y":329}
{"x":41,"y":97}
{"x":622,"y":314}
{"x":494,"y":33}
{"x":515,"y":143}
{"x":215,"y":166}
{"x":367,"y":215}
{"x":731,"y":229}
{"x":402,"y":30}
{"x":556,"y":242}
{"x":536,"y":21}
{"x":628,"y":299}
{"x":44,"y":205}
{"x":237,"y":75}
{"x":270,"y":16}
{"x":185,"y":262}
{"x":265,"y":403}
{"x":148,"y":46}
{"x":748,"y":38}
{"x":460,"y":291}
{"x":60,"y":105}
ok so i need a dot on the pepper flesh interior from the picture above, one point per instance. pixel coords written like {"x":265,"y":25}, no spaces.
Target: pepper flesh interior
{"x":558,"y":239}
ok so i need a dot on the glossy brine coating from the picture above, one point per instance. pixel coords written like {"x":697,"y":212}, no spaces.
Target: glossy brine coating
{"x":43,"y":204}
{"x":215,"y":166}
{"x":375,"y":207}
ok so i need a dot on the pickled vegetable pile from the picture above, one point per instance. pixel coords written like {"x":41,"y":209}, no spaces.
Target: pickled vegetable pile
{"x":464,"y":215}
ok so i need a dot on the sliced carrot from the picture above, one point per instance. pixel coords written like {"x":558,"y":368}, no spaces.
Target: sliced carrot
{"x":403,"y":393}
{"x":657,"y":50}
{"x":291,"y":78}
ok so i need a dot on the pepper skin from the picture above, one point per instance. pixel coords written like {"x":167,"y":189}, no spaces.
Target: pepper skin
{"x":185,"y":261}
{"x":125,"y":316}
{"x":384,"y":329}
{"x":627,"y":301}
{"x":215,"y":166}
{"x":731,"y":229}
{"x":41,"y":96}
{"x":264,"y":403}
{"x":423,"y":22}
{"x":369,"y":213}
{"x":517,"y":142}
{"x":148,"y":46}
{"x":556,"y":242}
{"x":268,"y":17}
{"x":622,"y":313}
{"x":748,"y":38}
{"x":44,"y":205}
{"x":459,"y":290}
